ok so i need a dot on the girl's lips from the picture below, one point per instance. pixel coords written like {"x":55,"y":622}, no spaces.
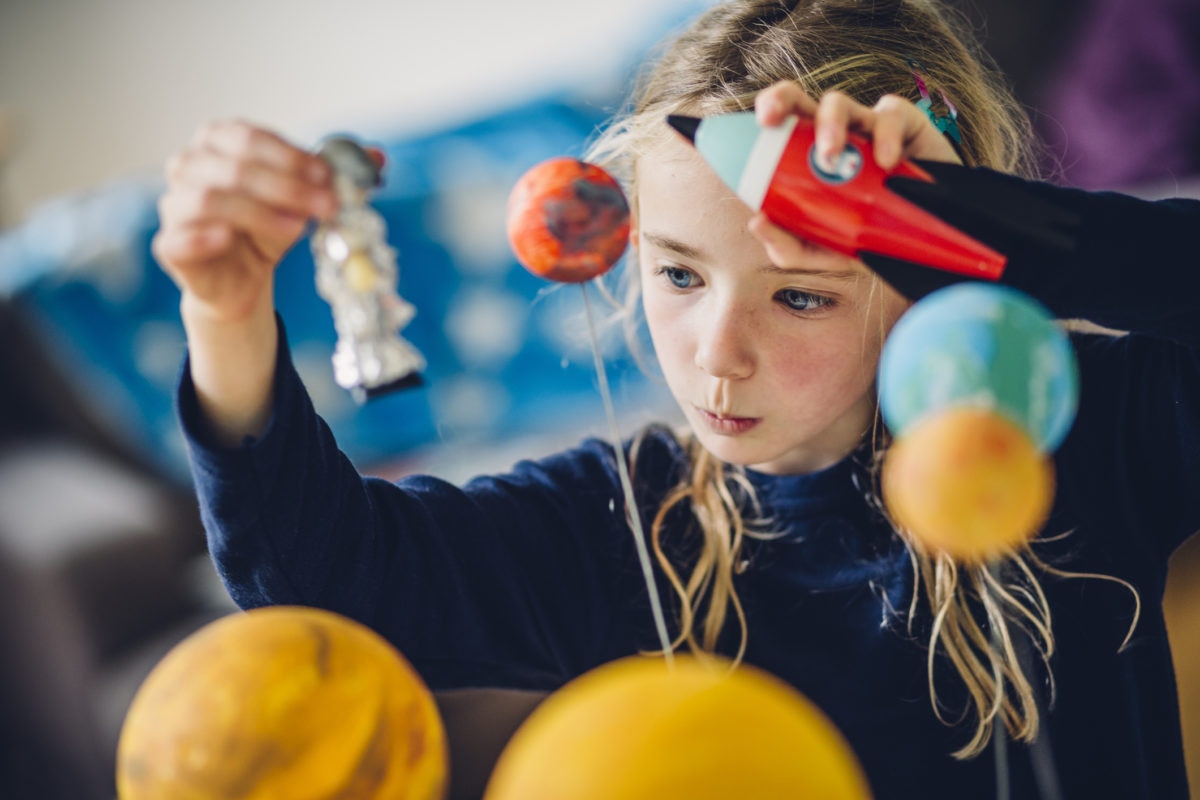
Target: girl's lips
{"x":728,"y":426}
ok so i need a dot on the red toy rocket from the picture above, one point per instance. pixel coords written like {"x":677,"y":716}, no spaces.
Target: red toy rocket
{"x":845,"y":207}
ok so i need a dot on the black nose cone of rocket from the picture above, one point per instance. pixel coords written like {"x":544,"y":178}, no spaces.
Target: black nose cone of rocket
{"x":687,"y":126}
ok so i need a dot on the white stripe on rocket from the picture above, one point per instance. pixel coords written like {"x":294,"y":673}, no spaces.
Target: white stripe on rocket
{"x":764,"y":159}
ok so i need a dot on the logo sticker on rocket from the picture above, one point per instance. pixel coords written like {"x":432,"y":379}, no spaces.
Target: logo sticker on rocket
{"x":844,"y":168}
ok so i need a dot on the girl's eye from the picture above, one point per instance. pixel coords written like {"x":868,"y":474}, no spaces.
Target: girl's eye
{"x":680,"y":277}
{"x":798,"y":300}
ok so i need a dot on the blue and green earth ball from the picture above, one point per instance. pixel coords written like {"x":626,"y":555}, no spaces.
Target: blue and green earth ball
{"x":985,"y":346}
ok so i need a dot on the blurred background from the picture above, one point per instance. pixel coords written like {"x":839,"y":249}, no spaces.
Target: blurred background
{"x":102,"y":564}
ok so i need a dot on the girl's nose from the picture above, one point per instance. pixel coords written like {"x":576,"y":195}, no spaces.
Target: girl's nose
{"x":723,"y":343}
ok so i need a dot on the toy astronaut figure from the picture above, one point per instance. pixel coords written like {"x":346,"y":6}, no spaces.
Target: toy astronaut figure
{"x":357,"y":275}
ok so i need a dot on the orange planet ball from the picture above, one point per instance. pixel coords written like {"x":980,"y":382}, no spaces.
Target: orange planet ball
{"x":282,"y":702}
{"x":636,"y":729}
{"x":968,"y":482}
{"x":568,"y":220}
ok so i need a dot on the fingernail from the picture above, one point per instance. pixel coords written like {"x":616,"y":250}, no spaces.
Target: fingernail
{"x":825,"y":145}
{"x":825,"y":159}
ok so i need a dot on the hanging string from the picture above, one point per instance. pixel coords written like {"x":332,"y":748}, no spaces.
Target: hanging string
{"x":631,"y":509}
{"x":1041,"y":753}
{"x":999,"y":731}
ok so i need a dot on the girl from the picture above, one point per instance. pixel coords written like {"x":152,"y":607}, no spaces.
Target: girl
{"x":770,"y":545}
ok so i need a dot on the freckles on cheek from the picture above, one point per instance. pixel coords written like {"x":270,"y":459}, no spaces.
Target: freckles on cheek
{"x":802,"y":367}
{"x":833,"y":367}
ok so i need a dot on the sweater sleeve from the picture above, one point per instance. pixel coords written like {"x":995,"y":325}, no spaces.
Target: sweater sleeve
{"x":1132,"y":461}
{"x":1113,"y":259}
{"x":507,"y":580}
{"x":1132,"y":266}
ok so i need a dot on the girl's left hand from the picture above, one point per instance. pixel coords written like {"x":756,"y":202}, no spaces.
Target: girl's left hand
{"x":897,"y":128}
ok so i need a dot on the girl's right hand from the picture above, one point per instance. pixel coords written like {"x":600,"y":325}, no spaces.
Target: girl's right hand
{"x":897,"y":128}
{"x":238,"y":197}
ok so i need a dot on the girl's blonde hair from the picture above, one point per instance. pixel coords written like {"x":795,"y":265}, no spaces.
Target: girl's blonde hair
{"x":865,"y":49}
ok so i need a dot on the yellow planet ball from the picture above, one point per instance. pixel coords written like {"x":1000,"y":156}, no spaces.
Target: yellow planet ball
{"x":968,"y":482}
{"x":282,"y":702}
{"x":636,"y":729}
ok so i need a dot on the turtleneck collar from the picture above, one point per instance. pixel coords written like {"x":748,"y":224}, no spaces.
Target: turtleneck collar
{"x":831,"y":489}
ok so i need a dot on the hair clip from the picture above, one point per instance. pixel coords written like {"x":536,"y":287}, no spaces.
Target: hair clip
{"x":947,"y":124}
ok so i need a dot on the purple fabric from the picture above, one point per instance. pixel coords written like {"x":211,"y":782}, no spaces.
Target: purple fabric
{"x":1125,"y":108}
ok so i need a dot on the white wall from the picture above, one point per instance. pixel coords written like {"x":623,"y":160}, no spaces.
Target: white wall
{"x":92,"y":90}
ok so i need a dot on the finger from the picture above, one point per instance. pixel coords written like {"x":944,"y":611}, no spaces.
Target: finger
{"x":283,"y":190}
{"x":776,"y":103}
{"x":904,"y":131}
{"x":242,"y":140}
{"x":182,"y":247}
{"x":835,"y":116}
{"x":271,"y":229}
{"x":897,"y":123}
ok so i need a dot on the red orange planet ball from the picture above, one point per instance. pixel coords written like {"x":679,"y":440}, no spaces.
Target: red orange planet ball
{"x":568,"y":220}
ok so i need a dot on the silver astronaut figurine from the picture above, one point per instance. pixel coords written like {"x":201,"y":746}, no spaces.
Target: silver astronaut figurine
{"x":357,"y":276}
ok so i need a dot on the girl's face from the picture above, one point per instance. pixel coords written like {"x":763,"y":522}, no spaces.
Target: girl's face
{"x":773,"y":367}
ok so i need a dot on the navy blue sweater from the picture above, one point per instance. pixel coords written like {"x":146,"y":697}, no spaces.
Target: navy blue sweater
{"x":530,"y":578}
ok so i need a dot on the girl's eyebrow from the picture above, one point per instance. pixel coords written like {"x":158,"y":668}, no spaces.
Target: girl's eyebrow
{"x":675,"y":246}
{"x":832,"y":274}
{"x":687,"y":251}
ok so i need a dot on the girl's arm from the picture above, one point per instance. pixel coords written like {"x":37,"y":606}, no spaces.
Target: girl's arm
{"x":1132,"y":461}
{"x":1115,"y":260}
{"x":510,"y":580}
{"x":238,"y":197}
{"x":505,"y":582}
